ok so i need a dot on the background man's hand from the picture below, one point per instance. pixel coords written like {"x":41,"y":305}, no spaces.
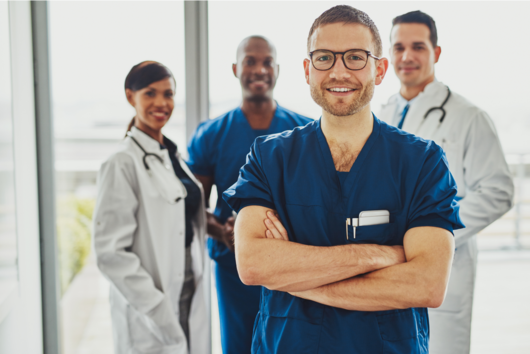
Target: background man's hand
{"x":227,"y":235}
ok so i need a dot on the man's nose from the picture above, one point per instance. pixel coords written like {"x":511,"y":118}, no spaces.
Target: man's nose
{"x":407,"y":55}
{"x":260,"y":69}
{"x":339,"y":71}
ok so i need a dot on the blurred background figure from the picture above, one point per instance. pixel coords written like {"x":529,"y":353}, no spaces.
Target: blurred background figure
{"x":149,"y":229}
{"x":216,"y":153}
{"x":427,"y":107}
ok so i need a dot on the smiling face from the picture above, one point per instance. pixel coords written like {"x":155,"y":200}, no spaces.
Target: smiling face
{"x":256,"y":69}
{"x":340,"y":91}
{"x":413,"y":54}
{"x":154,"y":104}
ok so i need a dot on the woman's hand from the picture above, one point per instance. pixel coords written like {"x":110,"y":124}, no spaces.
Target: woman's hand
{"x":275,"y":229}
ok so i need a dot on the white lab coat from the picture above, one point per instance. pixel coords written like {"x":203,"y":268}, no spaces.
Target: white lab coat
{"x":139,"y":243}
{"x":484,"y":183}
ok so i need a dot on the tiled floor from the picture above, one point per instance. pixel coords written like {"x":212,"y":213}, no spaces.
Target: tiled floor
{"x":501,"y":322}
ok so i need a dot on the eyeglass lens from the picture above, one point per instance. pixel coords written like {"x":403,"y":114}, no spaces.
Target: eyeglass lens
{"x":353,"y":59}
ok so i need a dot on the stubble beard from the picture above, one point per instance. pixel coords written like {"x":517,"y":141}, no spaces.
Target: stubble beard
{"x":340,"y":111}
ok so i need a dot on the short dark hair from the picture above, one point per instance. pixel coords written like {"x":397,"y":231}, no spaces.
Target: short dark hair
{"x":347,"y":14}
{"x":419,"y":17}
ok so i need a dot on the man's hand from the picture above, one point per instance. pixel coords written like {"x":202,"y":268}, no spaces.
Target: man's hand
{"x":221,"y":232}
{"x":275,"y":228}
{"x":227,"y":233}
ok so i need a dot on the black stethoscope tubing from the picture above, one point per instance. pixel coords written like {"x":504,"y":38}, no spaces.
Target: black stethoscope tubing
{"x":146,"y":154}
{"x":441,"y":108}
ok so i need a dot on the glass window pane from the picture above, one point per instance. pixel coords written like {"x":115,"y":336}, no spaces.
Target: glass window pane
{"x":93,"y":45}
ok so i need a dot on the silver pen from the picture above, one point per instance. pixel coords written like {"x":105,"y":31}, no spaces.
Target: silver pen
{"x":353,"y":222}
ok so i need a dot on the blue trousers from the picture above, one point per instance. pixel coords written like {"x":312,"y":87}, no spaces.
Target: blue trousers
{"x":238,"y":307}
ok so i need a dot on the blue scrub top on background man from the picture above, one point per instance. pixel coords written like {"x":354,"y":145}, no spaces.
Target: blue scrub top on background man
{"x":346,"y":222}
{"x":476,"y":160}
{"x":216,"y":153}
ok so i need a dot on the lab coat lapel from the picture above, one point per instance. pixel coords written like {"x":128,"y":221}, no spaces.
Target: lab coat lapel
{"x":414,"y":117}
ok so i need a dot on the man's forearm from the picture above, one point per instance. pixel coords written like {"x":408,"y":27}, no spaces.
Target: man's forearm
{"x":420,"y":282}
{"x":480,"y":208}
{"x":397,"y":287}
{"x":290,"y":266}
{"x":279,"y":264}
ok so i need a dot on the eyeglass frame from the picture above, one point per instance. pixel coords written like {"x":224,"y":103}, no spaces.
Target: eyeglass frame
{"x":368,"y":53}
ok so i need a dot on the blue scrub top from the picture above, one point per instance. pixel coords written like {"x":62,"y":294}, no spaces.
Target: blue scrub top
{"x":219,"y":148}
{"x":293,"y":173}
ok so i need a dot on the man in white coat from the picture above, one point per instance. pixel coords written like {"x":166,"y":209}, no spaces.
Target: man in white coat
{"x":427,"y":108}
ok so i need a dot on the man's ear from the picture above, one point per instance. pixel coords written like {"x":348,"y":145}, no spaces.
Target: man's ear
{"x":234,"y":69}
{"x":437,"y":52}
{"x":307,"y":65}
{"x":382,"y":68}
{"x":130,"y":97}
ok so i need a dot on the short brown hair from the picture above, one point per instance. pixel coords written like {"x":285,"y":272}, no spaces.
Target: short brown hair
{"x":347,"y":14}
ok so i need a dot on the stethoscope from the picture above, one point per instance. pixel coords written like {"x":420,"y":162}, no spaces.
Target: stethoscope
{"x":146,"y":154}
{"x":441,"y":108}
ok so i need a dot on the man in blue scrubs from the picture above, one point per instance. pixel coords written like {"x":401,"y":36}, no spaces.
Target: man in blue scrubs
{"x":216,"y":153}
{"x":346,"y":222}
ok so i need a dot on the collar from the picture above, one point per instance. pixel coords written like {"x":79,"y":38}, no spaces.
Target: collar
{"x":170,"y":146}
{"x":431,"y":89}
{"x":149,"y":144}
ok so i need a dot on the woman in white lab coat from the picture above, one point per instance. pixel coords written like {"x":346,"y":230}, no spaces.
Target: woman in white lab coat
{"x":149,"y":230}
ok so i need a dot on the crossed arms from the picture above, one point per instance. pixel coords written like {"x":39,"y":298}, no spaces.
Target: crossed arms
{"x":358,"y":277}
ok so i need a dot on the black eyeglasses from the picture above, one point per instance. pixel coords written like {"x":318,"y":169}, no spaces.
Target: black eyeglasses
{"x":353,"y":59}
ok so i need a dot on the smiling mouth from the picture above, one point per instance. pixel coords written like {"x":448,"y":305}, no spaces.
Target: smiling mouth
{"x":340,"y":89}
{"x":408,"y":68}
{"x":159,"y":115}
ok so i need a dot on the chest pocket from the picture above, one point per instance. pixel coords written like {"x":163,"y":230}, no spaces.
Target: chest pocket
{"x":382,"y":234}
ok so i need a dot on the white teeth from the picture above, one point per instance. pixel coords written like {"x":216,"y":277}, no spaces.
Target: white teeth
{"x":340,"y":89}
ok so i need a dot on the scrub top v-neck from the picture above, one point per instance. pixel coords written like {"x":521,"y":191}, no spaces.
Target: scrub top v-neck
{"x":293,"y":173}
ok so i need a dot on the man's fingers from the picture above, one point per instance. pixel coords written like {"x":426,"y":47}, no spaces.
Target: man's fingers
{"x":271,"y":227}
{"x":278,"y":224}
